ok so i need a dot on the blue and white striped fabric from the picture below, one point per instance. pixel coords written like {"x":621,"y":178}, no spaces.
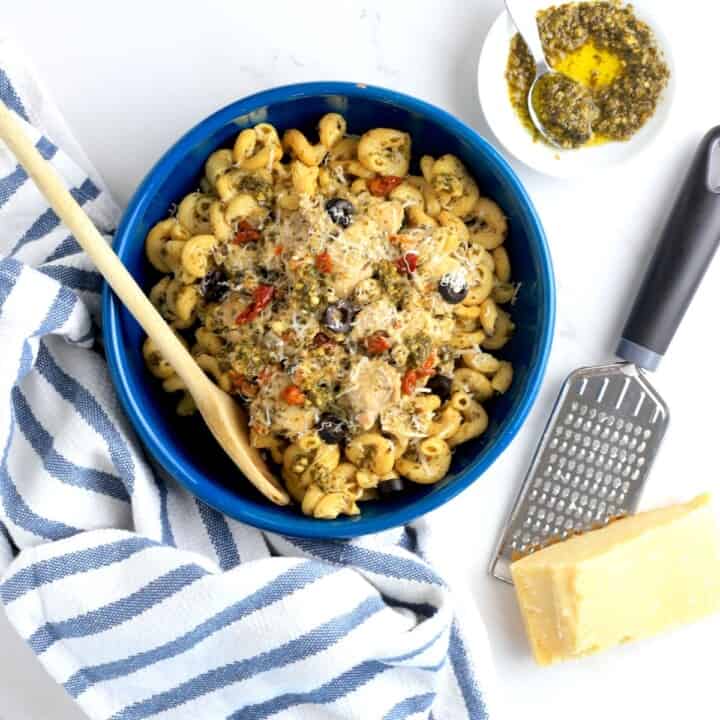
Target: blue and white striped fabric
{"x":141,"y":601}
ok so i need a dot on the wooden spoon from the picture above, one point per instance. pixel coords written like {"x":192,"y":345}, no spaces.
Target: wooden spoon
{"x":225,"y":418}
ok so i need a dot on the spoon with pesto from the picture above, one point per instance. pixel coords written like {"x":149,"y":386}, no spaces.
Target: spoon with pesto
{"x":561,"y":109}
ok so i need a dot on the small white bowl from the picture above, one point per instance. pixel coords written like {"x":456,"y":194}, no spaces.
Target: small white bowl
{"x":504,"y":122}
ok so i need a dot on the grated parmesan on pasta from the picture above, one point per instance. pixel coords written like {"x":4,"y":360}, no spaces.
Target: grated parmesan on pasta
{"x":316,"y":299}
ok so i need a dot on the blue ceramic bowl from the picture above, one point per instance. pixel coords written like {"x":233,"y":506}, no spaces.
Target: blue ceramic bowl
{"x":183,"y":446}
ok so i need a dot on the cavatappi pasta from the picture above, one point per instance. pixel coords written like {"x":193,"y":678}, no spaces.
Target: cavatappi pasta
{"x":355,"y":308}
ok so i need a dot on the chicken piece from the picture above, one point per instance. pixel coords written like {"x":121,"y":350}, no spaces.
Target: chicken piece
{"x":372,"y":385}
{"x":354,"y":254}
{"x":387,"y":215}
{"x":379,"y":316}
{"x":292,"y":421}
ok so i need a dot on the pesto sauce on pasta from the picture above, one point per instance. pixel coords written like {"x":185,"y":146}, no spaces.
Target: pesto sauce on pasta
{"x":304,"y":277}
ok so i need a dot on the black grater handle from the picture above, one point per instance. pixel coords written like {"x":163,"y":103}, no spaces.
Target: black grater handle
{"x":687,"y":245}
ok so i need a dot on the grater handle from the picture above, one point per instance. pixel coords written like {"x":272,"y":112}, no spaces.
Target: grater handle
{"x":687,"y":245}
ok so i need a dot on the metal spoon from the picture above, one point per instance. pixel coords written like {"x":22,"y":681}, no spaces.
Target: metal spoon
{"x":221,"y":413}
{"x":523,"y":16}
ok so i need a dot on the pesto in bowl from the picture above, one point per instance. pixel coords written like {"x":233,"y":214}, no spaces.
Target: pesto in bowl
{"x":604,"y":47}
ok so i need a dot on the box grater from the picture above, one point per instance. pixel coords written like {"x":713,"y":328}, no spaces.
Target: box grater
{"x":608,"y":422}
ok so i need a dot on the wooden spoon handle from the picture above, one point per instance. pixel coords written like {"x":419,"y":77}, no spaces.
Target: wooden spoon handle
{"x":107,"y":262}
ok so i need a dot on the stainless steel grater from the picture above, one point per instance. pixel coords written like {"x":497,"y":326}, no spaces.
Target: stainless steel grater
{"x":608,"y":422}
{"x":592,"y":462}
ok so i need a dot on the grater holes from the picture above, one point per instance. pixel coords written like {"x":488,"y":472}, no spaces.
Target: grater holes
{"x":603,"y":389}
{"x":624,"y":390}
{"x":591,"y":459}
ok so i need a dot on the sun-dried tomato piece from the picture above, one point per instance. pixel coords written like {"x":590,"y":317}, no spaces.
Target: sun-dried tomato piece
{"x":293,"y":395}
{"x":377,"y":343}
{"x":246,"y":233}
{"x":322,"y":339}
{"x":407,"y":263}
{"x":245,"y":386}
{"x":262,"y":295}
{"x":428,"y":367}
{"x":381,"y":185}
{"x":323,"y":262}
{"x":409,"y":382}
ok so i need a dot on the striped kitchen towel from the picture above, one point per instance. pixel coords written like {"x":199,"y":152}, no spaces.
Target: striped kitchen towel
{"x":142,"y":601}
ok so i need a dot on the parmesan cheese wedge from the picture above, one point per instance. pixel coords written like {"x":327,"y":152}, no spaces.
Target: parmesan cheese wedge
{"x":628,"y":580}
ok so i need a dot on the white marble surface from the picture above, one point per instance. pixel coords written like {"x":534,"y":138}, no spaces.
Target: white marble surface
{"x":131,"y":76}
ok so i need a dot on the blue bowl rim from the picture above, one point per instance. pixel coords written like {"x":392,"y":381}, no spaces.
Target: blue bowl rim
{"x":223,"y":499}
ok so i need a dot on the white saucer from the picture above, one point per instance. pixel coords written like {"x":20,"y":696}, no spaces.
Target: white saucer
{"x":504,"y":122}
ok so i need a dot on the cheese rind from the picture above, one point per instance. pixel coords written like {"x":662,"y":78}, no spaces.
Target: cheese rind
{"x":630,"y":579}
